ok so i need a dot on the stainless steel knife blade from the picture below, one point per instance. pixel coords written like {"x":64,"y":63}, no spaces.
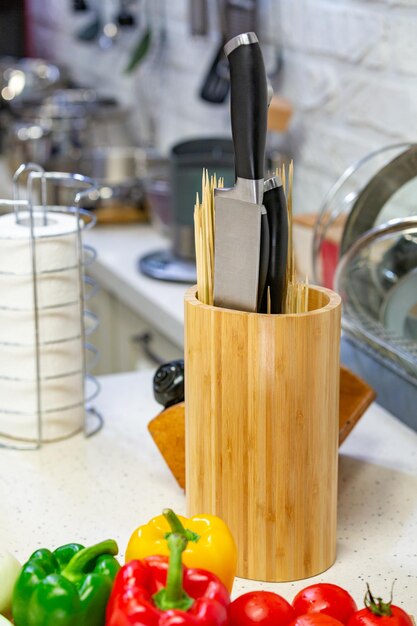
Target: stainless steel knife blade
{"x":236,"y":262}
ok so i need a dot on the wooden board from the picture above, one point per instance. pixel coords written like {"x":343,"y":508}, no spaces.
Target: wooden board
{"x":120,"y":214}
{"x":355,"y":397}
{"x":168,"y":427}
{"x":168,"y":432}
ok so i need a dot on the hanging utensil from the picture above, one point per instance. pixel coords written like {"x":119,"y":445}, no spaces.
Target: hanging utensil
{"x":216,"y":84}
{"x":238,"y":211}
{"x":198,"y":12}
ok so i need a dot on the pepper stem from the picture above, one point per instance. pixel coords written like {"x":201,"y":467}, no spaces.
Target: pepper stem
{"x":177,"y":526}
{"x":376,"y":605}
{"x":81,"y":559}
{"x":173,"y":595}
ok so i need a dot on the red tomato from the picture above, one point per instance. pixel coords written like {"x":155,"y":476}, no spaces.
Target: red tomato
{"x":365,"y":617}
{"x":377,"y":611}
{"x":325,"y":598}
{"x":263,"y":608}
{"x":315,"y":619}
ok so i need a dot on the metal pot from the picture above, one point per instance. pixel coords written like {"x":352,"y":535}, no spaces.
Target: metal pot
{"x":27,"y":142}
{"x":187,"y":162}
{"x":137,"y":172}
{"x":122,"y":174}
{"x":28,"y":79}
{"x":78,"y":120}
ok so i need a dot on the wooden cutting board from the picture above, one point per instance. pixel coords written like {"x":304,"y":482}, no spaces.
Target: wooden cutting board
{"x":119,"y":213}
{"x":168,"y":428}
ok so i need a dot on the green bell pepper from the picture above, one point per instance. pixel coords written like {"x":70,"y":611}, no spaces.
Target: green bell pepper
{"x":67,"y":587}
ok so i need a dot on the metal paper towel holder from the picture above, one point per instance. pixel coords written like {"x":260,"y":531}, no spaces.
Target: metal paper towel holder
{"x":85,"y":255}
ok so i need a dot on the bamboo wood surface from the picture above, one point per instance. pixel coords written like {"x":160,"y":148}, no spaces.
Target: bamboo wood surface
{"x":262,"y":413}
{"x":168,"y":427}
{"x":280,"y":112}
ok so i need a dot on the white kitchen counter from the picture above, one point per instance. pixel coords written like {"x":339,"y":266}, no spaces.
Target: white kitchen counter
{"x":89,"y":489}
{"x":116,"y":269}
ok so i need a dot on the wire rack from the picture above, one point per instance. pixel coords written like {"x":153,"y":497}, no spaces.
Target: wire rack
{"x":31,"y":213}
{"x":356,"y":280}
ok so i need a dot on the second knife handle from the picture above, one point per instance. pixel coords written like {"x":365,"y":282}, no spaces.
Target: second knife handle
{"x":249,"y":106}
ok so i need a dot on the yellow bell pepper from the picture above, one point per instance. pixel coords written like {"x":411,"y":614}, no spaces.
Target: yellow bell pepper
{"x":210,"y":543}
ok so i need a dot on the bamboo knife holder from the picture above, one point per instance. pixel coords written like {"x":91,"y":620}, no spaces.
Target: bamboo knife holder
{"x":262,"y":427}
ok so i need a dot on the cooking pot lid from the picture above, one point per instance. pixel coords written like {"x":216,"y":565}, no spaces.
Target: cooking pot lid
{"x":379,"y":191}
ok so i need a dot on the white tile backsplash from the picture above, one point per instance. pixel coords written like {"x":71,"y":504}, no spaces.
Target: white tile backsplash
{"x":350,"y":70}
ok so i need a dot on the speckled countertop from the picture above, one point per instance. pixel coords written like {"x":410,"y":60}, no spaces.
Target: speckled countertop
{"x":89,"y":489}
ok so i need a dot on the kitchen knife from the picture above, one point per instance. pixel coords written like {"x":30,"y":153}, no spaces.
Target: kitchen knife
{"x":265,"y":243}
{"x":263,"y":261}
{"x":276,"y":208}
{"x":238,"y":210}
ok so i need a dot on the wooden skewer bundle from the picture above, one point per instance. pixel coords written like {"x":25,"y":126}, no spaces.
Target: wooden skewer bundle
{"x":204,"y":237}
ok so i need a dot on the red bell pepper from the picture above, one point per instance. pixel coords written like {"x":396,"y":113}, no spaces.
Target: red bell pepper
{"x":157,"y":592}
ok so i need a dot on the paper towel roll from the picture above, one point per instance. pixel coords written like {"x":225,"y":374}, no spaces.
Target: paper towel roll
{"x":59,"y":316}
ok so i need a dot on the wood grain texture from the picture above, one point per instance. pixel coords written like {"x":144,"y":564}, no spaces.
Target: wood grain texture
{"x":355,"y":397}
{"x":168,"y":432}
{"x":280,"y":112}
{"x":168,"y":427}
{"x":262,"y":428}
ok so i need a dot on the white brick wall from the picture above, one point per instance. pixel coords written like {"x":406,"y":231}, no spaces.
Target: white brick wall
{"x":350,"y":69}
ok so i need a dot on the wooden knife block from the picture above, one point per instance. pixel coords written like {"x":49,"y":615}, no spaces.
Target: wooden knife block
{"x":168,"y":427}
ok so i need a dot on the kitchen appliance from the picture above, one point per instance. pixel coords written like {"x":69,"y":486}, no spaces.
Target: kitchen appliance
{"x":187,"y":160}
{"x":45,"y":388}
{"x":238,"y":211}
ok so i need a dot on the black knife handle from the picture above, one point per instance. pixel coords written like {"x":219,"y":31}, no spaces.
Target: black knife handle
{"x":168,"y":383}
{"x":276,"y":208}
{"x":248,"y":105}
{"x":263,"y":262}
